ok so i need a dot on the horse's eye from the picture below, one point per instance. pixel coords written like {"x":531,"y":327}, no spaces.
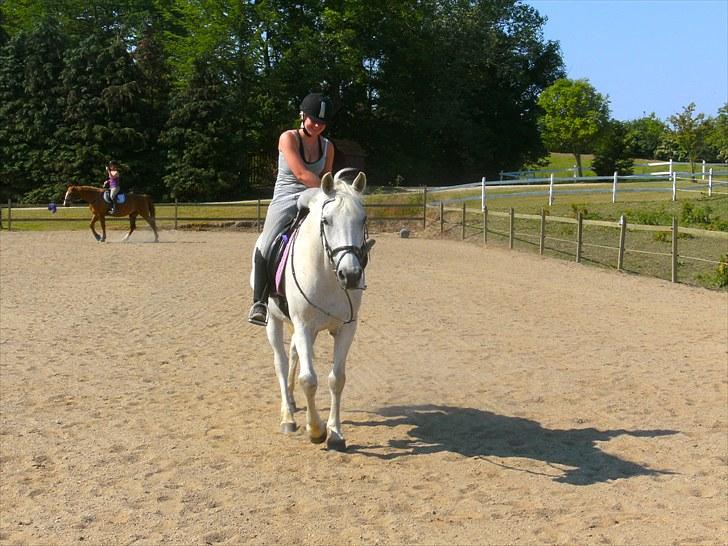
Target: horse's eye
{"x":325,"y":221}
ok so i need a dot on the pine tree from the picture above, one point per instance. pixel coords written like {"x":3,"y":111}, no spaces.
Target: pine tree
{"x":103,"y":111}
{"x":201,"y":160}
{"x":30,"y":112}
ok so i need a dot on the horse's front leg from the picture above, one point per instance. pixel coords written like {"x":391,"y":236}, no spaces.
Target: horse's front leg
{"x":93,"y":229}
{"x":304,"y":340}
{"x":292,"y":375}
{"x":337,"y":379}
{"x":274,"y":329}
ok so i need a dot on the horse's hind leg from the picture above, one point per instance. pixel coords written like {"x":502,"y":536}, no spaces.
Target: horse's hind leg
{"x":337,"y":380}
{"x":93,"y":228}
{"x":304,"y":345}
{"x":274,"y":329}
{"x":132,"y":225}
{"x":103,"y":228}
{"x":152,"y":221}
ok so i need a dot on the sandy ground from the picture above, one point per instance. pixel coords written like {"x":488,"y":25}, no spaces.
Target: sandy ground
{"x":493,"y":397}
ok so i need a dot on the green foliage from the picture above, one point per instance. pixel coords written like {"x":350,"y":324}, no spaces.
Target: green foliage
{"x":650,"y":217}
{"x":201,"y":161}
{"x":689,"y":133}
{"x":30,"y":109}
{"x":721,"y":273}
{"x":717,"y":137}
{"x":574,"y":115}
{"x":643,"y":135}
{"x":612,"y":153}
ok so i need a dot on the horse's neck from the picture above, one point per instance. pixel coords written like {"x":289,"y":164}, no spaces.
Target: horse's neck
{"x":89,"y":193}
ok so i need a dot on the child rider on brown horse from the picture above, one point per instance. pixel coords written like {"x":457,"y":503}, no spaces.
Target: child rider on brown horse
{"x":112,"y":171}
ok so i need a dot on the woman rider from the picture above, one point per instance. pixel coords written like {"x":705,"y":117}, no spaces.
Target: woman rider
{"x":303,"y":157}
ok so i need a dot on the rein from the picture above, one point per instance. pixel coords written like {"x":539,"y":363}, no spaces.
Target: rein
{"x":360,"y":253}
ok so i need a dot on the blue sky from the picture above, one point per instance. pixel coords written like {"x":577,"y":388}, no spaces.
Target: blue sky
{"x":647,"y":55}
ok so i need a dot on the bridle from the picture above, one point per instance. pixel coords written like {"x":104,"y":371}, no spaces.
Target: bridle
{"x":361,"y":254}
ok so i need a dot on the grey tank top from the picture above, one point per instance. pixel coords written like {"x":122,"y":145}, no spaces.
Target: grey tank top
{"x":286,"y":182}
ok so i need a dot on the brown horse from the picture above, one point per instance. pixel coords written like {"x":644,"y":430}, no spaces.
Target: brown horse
{"x":134,"y":205}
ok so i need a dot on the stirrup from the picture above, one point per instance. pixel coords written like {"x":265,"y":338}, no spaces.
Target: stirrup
{"x":258,"y":314}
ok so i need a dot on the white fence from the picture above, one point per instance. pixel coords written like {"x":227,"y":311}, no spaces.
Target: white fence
{"x":710,"y":182}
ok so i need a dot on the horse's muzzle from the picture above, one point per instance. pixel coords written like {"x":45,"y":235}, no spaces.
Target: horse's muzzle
{"x":66,"y":203}
{"x":350,"y":277}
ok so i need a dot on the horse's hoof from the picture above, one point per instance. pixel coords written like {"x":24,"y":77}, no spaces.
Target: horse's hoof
{"x":319,"y":440}
{"x":336,"y":444}
{"x":288,"y":428}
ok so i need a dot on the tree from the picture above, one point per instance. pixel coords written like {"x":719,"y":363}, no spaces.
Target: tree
{"x":30,"y":112}
{"x":717,"y":137}
{"x":201,"y":160}
{"x":689,"y":132}
{"x":644,"y":134}
{"x":612,"y":153}
{"x":103,"y":114}
{"x":574,"y":115}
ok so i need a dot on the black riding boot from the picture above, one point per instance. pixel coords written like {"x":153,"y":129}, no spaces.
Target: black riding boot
{"x":112,"y":210}
{"x":259,"y":311}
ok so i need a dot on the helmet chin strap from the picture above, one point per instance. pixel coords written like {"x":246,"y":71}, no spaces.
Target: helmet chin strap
{"x":305,"y":132}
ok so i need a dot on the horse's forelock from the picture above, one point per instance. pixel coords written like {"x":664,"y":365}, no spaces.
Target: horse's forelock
{"x":341,"y":189}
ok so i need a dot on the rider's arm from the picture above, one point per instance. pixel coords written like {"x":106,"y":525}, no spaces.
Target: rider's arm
{"x":288,"y":144}
{"x":329,"y":158}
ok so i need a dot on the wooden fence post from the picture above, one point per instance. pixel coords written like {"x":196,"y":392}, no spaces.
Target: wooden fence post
{"x":257,"y":217}
{"x":424,"y":207}
{"x":510,"y":228}
{"x":710,"y":182}
{"x":579,"y":235}
{"x":442,"y":217}
{"x":674,"y":249}
{"x":176,"y":212}
{"x":674,"y":186}
{"x":542,"y":235}
{"x":622,"y":233}
{"x":1,"y":217}
{"x":485,"y":225}
{"x":464,"y":205}
{"x":614,"y":188}
{"x":10,"y":214}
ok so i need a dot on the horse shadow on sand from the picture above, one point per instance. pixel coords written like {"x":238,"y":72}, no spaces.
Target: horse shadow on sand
{"x":572,"y":453}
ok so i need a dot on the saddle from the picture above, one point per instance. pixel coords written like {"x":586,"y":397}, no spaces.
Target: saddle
{"x":278,"y":257}
{"x":120,"y":197}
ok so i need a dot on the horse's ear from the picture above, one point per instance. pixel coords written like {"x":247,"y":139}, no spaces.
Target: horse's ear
{"x":327,"y":184}
{"x":360,"y":182}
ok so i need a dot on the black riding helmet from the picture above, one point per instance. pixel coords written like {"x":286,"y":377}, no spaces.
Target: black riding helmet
{"x":318,"y":107}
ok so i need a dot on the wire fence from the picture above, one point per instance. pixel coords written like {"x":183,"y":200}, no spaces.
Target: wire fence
{"x":674,"y":252}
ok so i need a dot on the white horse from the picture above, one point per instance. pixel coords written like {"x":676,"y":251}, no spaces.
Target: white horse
{"x":324,"y":279}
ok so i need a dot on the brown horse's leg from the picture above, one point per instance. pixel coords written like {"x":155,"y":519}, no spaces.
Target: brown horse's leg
{"x":132,"y":225}
{"x":102,"y":219}
{"x":148,"y":215}
{"x":93,"y":230}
